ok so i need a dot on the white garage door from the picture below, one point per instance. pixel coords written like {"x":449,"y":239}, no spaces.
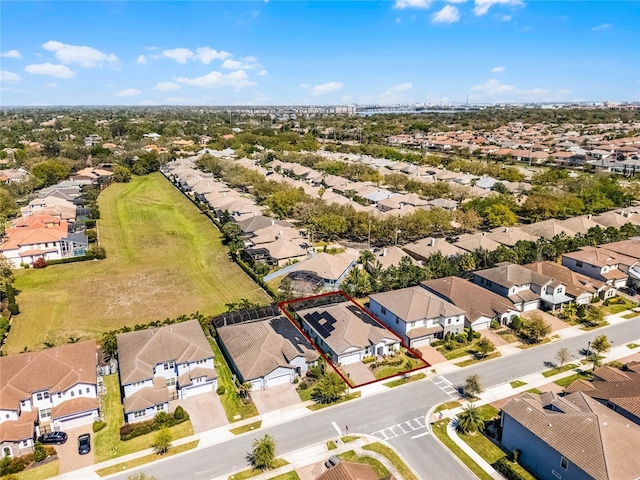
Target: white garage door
{"x":76,"y":422}
{"x":351,"y":358}
{"x":190,"y":392}
{"x":279,"y":380}
{"x":420,"y":342}
{"x":481,"y":325}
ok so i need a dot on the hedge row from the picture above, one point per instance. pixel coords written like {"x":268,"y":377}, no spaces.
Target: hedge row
{"x":508,"y":469}
{"x":256,"y":278}
{"x":132,"y":430}
{"x":9,"y":466}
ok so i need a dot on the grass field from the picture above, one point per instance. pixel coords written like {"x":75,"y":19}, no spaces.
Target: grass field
{"x":164,"y":259}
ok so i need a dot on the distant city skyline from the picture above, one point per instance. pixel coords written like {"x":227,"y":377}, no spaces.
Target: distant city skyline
{"x":278,"y":52}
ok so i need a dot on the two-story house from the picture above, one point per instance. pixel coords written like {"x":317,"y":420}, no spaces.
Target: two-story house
{"x":162,"y":364}
{"x":416,"y":315}
{"x":526,"y":289}
{"x":602,"y":264}
{"x":55,"y":389}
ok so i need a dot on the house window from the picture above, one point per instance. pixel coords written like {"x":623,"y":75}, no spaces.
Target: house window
{"x":578,"y":263}
{"x":159,"y":408}
{"x":489,"y":283}
{"x":88,"y":389}
{"x":397,"y":320}
{"x":564,"y":463}
{"x":73,"y":394}
{"x":6,"y":415}
{"x":140,"y":413}
{"x":23,"y":403}
{"x":168,"y":365}
{"x":79,"y":391}
{"x":59,"y":394}
{"x":39,"y":396}
{"x":45,"y":413}
{"x":383,"y":310}
{"x":170,"y":382}
{"x":45,"y":395}
{"x":448,"y":321}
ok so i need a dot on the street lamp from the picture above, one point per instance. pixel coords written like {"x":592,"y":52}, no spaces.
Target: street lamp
{"x":397,"y":232}
{"x":588,"y":348}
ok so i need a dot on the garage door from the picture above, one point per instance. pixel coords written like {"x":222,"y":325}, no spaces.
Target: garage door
{"x":481,"y":325}
{"x":279,"y":380}
{"x":352,"y":358}
{"x":420,"y":342}
{"x":190,"y":392}
{"x":75,"y":422}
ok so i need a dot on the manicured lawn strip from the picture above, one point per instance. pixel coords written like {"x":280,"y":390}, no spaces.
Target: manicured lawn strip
{"x":246,"y":428}
{"x":252,"y":472}
{"x":107,"y":443}
{"x":440,"y":430}
{"x":483,"y":447}
{"x":508,"y":336}
{"x":164,"y":259}
{"x":557,"y":370}
{"x":631,"y":346}
{"x":380,"y":469}
{"x":42,"y":472}
{"x":136,"y":462}
{"x":535,"y":391}
{"x":566,"y":381}
{"x":348,"y":438}
{"x":447,"y":406}
{"x":344,"y":398}
{"x":488,"y":412}
{"x":631,"y":315}
{"x":600,"y":325}
{"x":392,"y":456}
{"x":287,"y":476}
{"x":402,"y":381}
{"x":614,"y":308}
{"x":517,"y":383}
{"x":231,"y":402}
{"x":331,"y":445}
{"x":407,"y":364}
{"x":525,"y":346}
{"x":471,"y":361}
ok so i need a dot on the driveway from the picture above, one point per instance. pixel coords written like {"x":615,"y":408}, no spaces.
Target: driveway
{"x":70,"y":459}
{"x":555,"y":322}
{"x":431,"y":355}
{"x":358,"y":373}
{"x":275,"y":398}
{"x":205,"y":411}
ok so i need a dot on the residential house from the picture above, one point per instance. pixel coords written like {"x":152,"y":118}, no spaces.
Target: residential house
{"x":617,"y":219}
{"x":478,"y":241}
{"x":548,"y":229}
{"x":481,"y":306}
{"x":350,"y":471}
{"x":573,"y":437}
{"x":509,"y":236}
{"x":346,"y":333}
{"x":267,"y":352}
{"x":581,"y":288}
{"x":54,"y":389}
{"x":331,"y":269}
{"x":423,"y":249}
{"x":443,"y":203}
{"x":601,"y":264}
{"x":279,"y":252}
{"x":631,"y":249}
{"x":580,"y":224}
{"x":527,"y":290}
{"x":617,"y":389}
{"x":417,"y":315}
{"x":386,"y":257}
{"x":157,"y":365}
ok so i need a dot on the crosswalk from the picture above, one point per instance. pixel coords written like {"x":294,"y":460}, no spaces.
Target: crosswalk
{"x":415,"y":426}
{"x":446,"y":386}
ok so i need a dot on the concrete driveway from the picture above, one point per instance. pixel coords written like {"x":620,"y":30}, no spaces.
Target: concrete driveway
{"x":70,"y":459}
{"x":555,"y":322}
{"x":275,"y":398}
{"x":431,"y":355}
{"x":359,"y":373}
{"x":205,"y":411}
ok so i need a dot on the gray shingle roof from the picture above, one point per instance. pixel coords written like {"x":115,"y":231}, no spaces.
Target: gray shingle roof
{"x":416,"y":303}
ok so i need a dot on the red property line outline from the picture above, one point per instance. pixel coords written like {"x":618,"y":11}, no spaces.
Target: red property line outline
{"x":282,"y":306}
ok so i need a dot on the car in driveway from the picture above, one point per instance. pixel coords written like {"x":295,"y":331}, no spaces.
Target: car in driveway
{"x":56,"y":438}
{"x":84,"y":444}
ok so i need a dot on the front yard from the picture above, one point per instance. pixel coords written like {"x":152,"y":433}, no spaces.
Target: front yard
{"x":395,"y":364}
{"x":618,"y":305}
{"x":107,"y":443}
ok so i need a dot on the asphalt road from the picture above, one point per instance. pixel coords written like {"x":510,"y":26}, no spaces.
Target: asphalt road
{"x":396,"y":416}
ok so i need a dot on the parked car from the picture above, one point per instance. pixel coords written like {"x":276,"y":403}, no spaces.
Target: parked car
{"x":57,"y":438}
{"x":332,"y":462}
{"x":84,"y":444}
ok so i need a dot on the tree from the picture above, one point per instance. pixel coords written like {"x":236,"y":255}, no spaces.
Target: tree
{"x":8,"y":204}
{"x":329,"y":389}
{"x":162,"y":441}
{"x":570,"y":312}
{"x":357,"y":282}
{"x":594,"y":357}
{"x":472,"y":386}
{"x":537,"y":328}
{"x":563,"y":355}
{"x":485,"y":347}
{"x":11,"y":299}
{"x":121,"y":174}
{"x":39,"y":453}
{"x":500,"y":215}
{"x":601,"y":344}
{"x":263,"y":455}
{"x":594,"y":315}
{"x":470,"y":420}
{"x":244,"y":390}
{"x":50,"y":172}
{"x":6,"y":269}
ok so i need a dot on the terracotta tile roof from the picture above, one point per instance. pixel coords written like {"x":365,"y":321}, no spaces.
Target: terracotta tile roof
{"x":600,"y":257}
{"x":54,"y":370}
{"x":258,"y":348}
{"x":20,"y":429}
{"x":140,"y":351}
{"x":349,"y":471}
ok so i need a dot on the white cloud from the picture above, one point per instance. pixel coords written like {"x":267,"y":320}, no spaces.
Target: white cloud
{"x":494,"y":90}
{"x":148,"y":102}
{"x":603,"y":26}
{"x":11,"y":54}
{"x":180,"y":55}
{"x":346,"y":98}
{"x":394,"y":94}
{"x":206,"y":54}
{"x":448,"y":14}
{"x":51,"y":85}
{"x":247,"y":63}
{"x":238,"y":79}
{"x":506,"y":18}
{"x":498,"y":69}
{"x":564,"y":92}
{"x":166,"y":86}
{"x":58,"y":71}
{"x":402,"y":4}
{"x":262,"y":73}
{"x":483,"y":6}
{"x":128,"y":92}
{"x":9,"y":77}
{"x":142,"y":60}
{"x":84,"y":56}
{"x":326,"y":88}
{"x":456,"y":1}
{"x":493,"y":87}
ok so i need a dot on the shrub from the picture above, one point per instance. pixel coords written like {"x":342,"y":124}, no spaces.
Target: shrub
{"x":90,"y":223}
{"x":25,"y":265}
{"x":92,"y":235}
{"x":516,"y":323}
{"x":180,"y":413}
{"x":368,"y":359}
{"x":40,"y":263}
{"x":495,"y":324}
{"x":161,"y":418}
{"x":437,"y":343}
{"x":476,"y":334}
{"x":132,"y":430}
{"x":303,"y":386}
{"x":221,"y":390}
{"x":507,"y":469}
{"x":98,"y":425}
{"x":99,"y":253}
{"x":39,"y":453}
{"x":462,"y":338}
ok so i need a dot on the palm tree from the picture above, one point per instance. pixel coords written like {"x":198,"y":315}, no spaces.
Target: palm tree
{"x":470,"y":420}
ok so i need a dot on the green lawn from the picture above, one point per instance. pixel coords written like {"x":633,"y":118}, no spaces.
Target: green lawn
{"x":588,"y":328}
{"x":233,"y":405}
{"x":380,"y":469}
{"x":164,"y":259}
{"x":535,"y":391}
{"x":405,"y":471}
{"x":440,"y":430}
{"x":107,"y":443}
{"x":614,"y":308}
{"x":136,"y":462}
{"x":246,"y":428}
{"x":517,"y":383}
{"x":557,"y":370}
{"x":447,"y":406}
{"x":630,"y":315}
{"x":631,"y":346}
{"x":286,"y":476}
{"x":471,"y":361}
{"x":344,"y":398}
{"x":542,"y":341}
{"x":252,"y":472}
{"x":42,"y":472}
{"x":483,"y":447}
{"x":566,"y":381}
{"x":408,"y":363}
{"x":402,"y":381}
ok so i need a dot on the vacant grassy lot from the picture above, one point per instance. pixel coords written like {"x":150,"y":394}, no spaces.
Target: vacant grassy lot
{"x":164,"y":259}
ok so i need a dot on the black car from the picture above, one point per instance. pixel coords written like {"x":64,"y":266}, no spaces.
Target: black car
{"x":57,"y":438}
{"x":84,"y":444}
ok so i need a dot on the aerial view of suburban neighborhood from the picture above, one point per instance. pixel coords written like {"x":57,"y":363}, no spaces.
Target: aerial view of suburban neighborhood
{"x":320,"y":240}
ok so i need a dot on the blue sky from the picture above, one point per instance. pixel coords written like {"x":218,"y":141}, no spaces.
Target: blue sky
{"x":317,"y":52}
